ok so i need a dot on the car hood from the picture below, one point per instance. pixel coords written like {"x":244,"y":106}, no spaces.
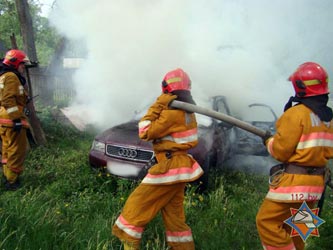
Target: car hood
{"x":124,"y":134}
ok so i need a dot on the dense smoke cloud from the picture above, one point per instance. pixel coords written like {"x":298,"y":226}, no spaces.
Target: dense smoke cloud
{"x":239,"y":48}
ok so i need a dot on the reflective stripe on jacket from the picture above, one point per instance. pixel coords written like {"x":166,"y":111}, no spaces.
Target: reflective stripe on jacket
{"x":174,"y":175}
{"x":296,"y":193}
{"x":183,"y":137}
{"x":10,"y":123}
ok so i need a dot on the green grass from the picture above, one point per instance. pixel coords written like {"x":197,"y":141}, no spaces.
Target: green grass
{"x":63,"y":204}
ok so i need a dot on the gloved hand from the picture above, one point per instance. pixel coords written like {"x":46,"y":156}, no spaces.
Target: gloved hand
{"x":17,"y":125}
{"x":26,"y":111}
{"x":266,"y":137}
{"x":158,"y":106}
{"x":165,"y":99}
{"x":28,"y":99}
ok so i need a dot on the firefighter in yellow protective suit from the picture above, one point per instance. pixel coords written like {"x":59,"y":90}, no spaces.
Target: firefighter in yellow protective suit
{"x":303,"y":143}
{"x":13,"y":122}
{"x":172,"y":132}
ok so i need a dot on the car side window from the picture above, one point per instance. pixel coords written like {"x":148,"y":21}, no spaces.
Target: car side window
{"x":220,"y":105}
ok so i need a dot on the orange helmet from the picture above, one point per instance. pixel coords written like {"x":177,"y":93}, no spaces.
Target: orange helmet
{"x":15,"y":57}
{"x":176,"y":80}
{"x":310,"y":79}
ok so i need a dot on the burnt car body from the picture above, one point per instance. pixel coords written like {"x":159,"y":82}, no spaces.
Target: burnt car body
{"x":120,"y":151}
{"x":248,"y":143}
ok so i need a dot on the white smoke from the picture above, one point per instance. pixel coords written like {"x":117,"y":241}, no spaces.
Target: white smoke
{"x":242,"y":49}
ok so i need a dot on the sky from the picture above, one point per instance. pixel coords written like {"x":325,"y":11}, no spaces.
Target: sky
{"x":46,"y":7}
{"x":243,"y":49}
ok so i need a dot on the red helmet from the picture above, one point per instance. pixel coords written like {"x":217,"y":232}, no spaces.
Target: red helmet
{"x":15,"y":57}
{"x":310,"y":79}
{"x":176,"y":80}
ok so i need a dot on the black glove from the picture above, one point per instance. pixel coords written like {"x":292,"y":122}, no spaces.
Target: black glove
{"x":28,"y":99}
{"x":266,"y":136}
{"x":17,"y":125}
{"x":26,"y":111}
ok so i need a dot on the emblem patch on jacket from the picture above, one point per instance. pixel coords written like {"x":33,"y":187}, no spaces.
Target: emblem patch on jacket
{"x":304,"y":222}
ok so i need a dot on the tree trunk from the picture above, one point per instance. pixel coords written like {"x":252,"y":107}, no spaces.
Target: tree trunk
{"x":13,"y":41}
{"x":36,"y":130}
{"x":25,"y":20}
{"x":27,"y":31}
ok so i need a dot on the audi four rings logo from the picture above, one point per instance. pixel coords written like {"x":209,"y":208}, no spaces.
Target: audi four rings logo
{"x":127,"y":152}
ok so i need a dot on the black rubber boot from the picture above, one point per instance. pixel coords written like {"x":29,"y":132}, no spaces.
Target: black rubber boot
{"x":12,"y":186}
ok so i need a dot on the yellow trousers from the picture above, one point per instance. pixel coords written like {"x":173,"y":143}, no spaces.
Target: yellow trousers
{"x":14,"y":150}
{"x":272,"y":230}
{"x":143,"y":205}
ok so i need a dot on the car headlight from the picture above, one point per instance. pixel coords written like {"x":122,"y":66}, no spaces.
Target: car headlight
{"x":98,"y":146}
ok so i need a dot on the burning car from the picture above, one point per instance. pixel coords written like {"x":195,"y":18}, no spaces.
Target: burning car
{"x":121,"y":152}
{"x":259,"y":115}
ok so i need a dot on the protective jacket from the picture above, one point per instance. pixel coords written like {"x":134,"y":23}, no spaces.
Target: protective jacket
{"x":301,"y":139}
{"x":172,"y":132}
{"x":13,"y":98}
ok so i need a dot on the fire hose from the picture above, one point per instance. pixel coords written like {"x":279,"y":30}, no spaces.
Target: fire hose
{"x":220,"y":116}
{"x":226,"y":118}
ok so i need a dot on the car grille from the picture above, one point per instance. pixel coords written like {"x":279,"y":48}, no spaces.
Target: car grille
{"x":128,"y":153}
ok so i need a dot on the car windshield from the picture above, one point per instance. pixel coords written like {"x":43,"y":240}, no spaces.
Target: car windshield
{"x":201,"y":119}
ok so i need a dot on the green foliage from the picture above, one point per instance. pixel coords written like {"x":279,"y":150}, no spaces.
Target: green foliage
{"x":63,"y":204}
{"x":9,"y":23}
{"x":46,"y":37}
